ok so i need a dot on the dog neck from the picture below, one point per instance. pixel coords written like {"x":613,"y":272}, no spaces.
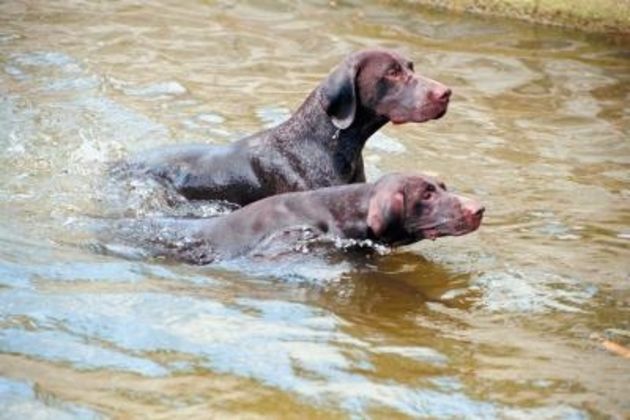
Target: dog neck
{"x":311,"y":122}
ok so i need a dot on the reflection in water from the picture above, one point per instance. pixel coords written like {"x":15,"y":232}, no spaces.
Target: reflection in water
{"x":532,"y":292}
{"x":496,"y":324}
{"x":305,"y":345}
{"x":20,"y":400}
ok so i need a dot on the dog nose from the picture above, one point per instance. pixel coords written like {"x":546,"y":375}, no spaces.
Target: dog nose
{"x":440,"y":93}
{"x":473,"y":208}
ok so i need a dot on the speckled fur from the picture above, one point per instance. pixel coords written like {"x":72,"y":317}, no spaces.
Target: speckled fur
{"x":320,"y":145}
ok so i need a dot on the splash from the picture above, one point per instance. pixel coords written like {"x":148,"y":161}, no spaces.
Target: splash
{"x":132,"y":194}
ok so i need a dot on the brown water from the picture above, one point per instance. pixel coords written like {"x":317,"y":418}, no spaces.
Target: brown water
{"x":497,"y":324}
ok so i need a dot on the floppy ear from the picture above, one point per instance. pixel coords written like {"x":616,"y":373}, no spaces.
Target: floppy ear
{"x":340,"y":95}
{"x":386,"y":207}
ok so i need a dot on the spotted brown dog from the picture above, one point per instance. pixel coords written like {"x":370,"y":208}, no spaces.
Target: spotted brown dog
{"x":318,"y":146}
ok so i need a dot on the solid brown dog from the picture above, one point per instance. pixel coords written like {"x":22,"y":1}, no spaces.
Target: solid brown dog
{"x":396,"y":210}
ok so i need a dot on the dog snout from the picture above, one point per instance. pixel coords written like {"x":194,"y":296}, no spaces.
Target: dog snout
{"x":440,"y":93}
{"x":472,"y":207}
{"x":477,"y":212}
{"x":472,"y":211}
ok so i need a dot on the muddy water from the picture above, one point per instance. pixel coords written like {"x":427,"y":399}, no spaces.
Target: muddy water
{"x":504,"y":323}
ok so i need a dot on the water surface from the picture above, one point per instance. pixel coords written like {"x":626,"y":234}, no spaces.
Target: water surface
{"x":502,"y":323}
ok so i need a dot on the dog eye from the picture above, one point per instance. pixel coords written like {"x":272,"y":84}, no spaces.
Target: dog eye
{"x":410,"y":66}
{"x":443,"y":186}
{"x":395,"y":70}
{"x":428,"y":192}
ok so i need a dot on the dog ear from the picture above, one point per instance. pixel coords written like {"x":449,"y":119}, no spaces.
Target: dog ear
{"x":340,"y":94}
{"x":386,"y":208}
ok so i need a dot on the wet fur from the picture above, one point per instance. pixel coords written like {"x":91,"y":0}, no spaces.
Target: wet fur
{"x":393,"y":211}
{"x":319,"y":146}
